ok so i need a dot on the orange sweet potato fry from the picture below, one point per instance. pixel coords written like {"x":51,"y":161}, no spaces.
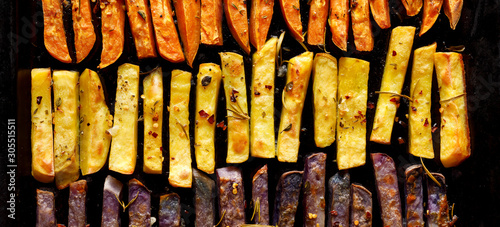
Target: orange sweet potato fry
{"x":167,"y":39}
{"x":291,"y":13}
{"x":261,"y":14}
{"x":211,"y":22}
{"x":361,"y":26}
{"x":236,"y":16}
{"x":189,"y":22}
{"x":339,"y":22}
{"x":112,"y":29}
{"x":84,"y":29}
{"x":54,"y":35}
{"x":318,"y":13}
{"x":453,"y":10}
{"x":431,"y":13}
{"x":139,"y":18}
{"x":380,"y":12}
{"x":412,"y":7}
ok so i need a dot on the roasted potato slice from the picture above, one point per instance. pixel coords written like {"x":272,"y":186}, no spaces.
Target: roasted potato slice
{"x":42,"y":140}
{"x":66,"y":127}
{"x":261,"y":14}
{"x":351,"y":118}
{"x":393,"y":78}
{"x":113,"y":32}
{"x":236,"y":16}
{"x":54,"y":35}
{"x":412,"y":7}
{"x":294,"y":94}
{"x":455,"y":138}
{"x":316,"y":28}
{"x":153,"y":122}
{"x":430,"y":14}
{"x":211,"y":22}
{"x":262,"y":136}
{"x":188,"y":14}
{"x":233,"y":74}
{"x":123,"y":154}
{"x":167,"y":38}
{"x":361,"y":25}
{"x":291,"y":14}
{"x":339,"y":22}
{"x":83,"y":28}
{"x":139,"y":18}
{"x":453,"y":10}
{"x":380,"y":13}
{"x":95,"y":120}
{"x":207,"y":94}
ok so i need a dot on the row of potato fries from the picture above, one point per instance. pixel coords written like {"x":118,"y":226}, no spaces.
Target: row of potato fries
{"x":153,"y":26}
{"x":83,"y":126}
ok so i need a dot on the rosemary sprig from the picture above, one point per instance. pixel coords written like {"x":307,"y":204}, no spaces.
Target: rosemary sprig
{"x":182,"y":127}
{"x":278,"y":50}
{"x":429,"y":173}
{"x":222,"y":217}
{"x":452,"y":98}
{"x":256,"y":209}
{"x":240,"y":114}
{"x":122,"y":204}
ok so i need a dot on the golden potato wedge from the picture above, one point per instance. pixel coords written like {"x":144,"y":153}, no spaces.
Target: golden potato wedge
{"x":361,"y":25}
{"x":455,"y":138}
{"x":339,"y":22}
{"x":42,"y":140}
{"x":351,"y":118}
{"x":233,"y":74}
{"x":453,"y":10}
{"x":211,"y":22}
{"x":153,"y":122}
{"x":139,"y":17}
{"x":430,"y":14}
{"x":207,"y":94}
{"x":95,"y":120}
{"x":261,"y":13}
{"x":188,"y":14}
{"x":316,"y":28}
{"x":180,"y":172}
{"x":236,"y":16}
{"x":412,"y":7}
{"x":324,"y":99}
{"x":393,"y":78}
{"x":294,"y":94}
{"x":290,"y":9}
{"x":380,"y":13}
{"x":262,"y":136}
{"x":419,"y":114}
{"x":66,"y":127}
{"x":123,"y":154}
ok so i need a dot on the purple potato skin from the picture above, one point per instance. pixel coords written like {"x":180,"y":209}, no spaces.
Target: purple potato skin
{"x":169,"y":214}
{"x":204,"y":200}
{"x":77,"y":204}
{"x":45,"y":213}
{"x":231,"y":196}
{"x":386,"y":179}
{"x":139,"y":212}
{"x":287,"y":198}
{"x":437,"y":202}
{"x":414,"y":196}
{"x":260,"y":193}
{"x":340,"y":197}
{"x":110,"y":205}
{"x":361,"y":206}
{"x":314,"y":190}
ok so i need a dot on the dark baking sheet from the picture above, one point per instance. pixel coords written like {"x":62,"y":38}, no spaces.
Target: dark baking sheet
{"x":472,"y":186}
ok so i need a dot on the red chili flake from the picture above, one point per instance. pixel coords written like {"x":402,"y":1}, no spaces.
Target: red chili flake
{"x":336,"y":224}
{"x":368,"y":215}
{"x":232,"y":98}
{"x":363,"y":121}
{"x":414,"y":109}
{"x":334,"y":213}
{"x":245,"y":202}
{"x":234,"y":91}
{"x":161,"y":148}
{"x":394,"y":53}
{"x":269,"y":87}
{"x":150,"y":132}
{"x":186,"y":212}
{"x":401,"y":140}
{"x":347,"y":97}
{"x":420,"y":92}
{"x":221,"y":125}
{"x":172,"y":158}
{"x":98,"y":87}
{"x":394,"y":100}
{"x":211,"y":119}
{"x":434,"y":129}
{"x":203,"y":114}
{"x":256,"y":92}
{"x":426,"y":123}
{"x":371,"y":105}
{"x":402,"y":123}
{"x":155,"y":134}
{"x":155,"y":118}
{"x":360,"y":113}
{"x":39,"y":100}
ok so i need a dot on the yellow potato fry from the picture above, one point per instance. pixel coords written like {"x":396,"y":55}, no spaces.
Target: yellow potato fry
{"x":153,"y":122}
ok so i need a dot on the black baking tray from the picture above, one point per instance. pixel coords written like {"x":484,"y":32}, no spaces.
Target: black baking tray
{"x":472,"y":186}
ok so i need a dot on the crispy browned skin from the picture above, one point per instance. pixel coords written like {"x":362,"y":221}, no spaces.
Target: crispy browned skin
{"x":113,"y":32}
{"x":45,"y":209}
{"x":361,"y":25}
{"x":261,"y":14}
{"x":260,"y":196}
{"x":339,"y":22}
{"x":167,"y":39}
{"x":139,"y":18}
{"x":83,"y":28}
{"x":380,"y":12}
{"x":291,"y":13}
{"x":430,"y":15}
{"x":188,"y":14}
{"x":54,"y":35}
{"x":236,"y":16}
{"x":316,"y":28}
{"x":453,"y":10}
{"x":77,"y":204}
{"x":412,"y":6}
{"x":211,"y":22}
{"x":231,"y":196}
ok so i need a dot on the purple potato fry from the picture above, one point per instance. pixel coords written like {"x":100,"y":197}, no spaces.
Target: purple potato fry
{"x":287,"y":198}
{"x":169,"y":214}
{"x":437,"y":202}
{"x":260,"y":197}
{"x":139,"y":211}
{"x":111,"y":196}
{"x":45,"y":210}
{"x":340,"y":197}
{"x":204,"y":200}
{"x":361,"y":206}
{"x":314,"y":190}
{"x":77,"y":204}
{"x":414,"y":196}
{"x":231,"y":196}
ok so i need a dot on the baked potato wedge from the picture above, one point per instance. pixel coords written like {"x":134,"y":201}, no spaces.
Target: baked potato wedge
{"x":54,"y":35}
{"x":188,"y":14}
{"x":455,"y":138}
{"x":261,"y":14}
{"x":316,"y":28}
{"x":412,"y":7}
{"x":211,"y":22}
{"x":233,"y":74}
{"x":236,"y":16}
{"x":42,"y":140}
{"x":294,"y":94}
{"x":430,"y":14}
{"x":153,"y":122}
{"x":351,"y":116}
{"x":113,"y":32}
{"x":380,"y":13}
{"x":180,"y":172}
{"x":291,"y":14}
{"x":453,"y":10}
{"x":123,"y":154}
{"x":66,"y":127}
{"x":83,"y":29}
{"x":139,"y":18}
{"x":95,"y":120}
{"x":339,"y":22}
{"x":167,"y":38}
{"x":361,"y":25}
